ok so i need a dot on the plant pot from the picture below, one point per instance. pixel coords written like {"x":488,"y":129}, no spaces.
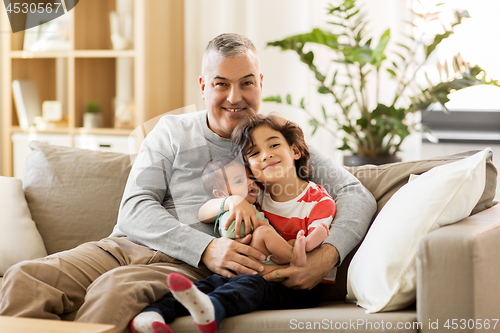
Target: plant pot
{"x":92,"y":120}
{"x":355,"y":160}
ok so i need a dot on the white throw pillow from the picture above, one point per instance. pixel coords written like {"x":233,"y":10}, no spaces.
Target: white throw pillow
{"x":19,"y":237}
{"x":382,"y":273}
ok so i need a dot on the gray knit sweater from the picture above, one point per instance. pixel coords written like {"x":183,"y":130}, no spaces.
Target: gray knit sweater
{"x":164,"y":191}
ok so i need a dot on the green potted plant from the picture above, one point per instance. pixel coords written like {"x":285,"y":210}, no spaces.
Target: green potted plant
{"x":92,"y":118}
{"x":374,"y":132}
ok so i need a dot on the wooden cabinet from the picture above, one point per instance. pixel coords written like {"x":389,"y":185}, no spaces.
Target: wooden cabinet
{"x":149,"y":73}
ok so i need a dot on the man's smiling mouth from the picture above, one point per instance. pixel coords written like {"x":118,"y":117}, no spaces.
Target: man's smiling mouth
{"x":234,"y":109}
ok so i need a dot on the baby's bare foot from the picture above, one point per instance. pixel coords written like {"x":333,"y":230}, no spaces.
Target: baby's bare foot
{"x":326,"y":228}
{"x":299,"y":250}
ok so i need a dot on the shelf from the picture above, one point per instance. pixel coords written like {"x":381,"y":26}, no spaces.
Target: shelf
{"x":104,"y":53}
{"x":77,"y":130}
{"x":104,"y":131}
{"x":147,"y":76}
{"x":56,"y":130}
{"x":44,"y":54}
{"x":75,"y":54}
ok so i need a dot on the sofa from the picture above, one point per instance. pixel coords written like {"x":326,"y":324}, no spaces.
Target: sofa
{"x":70,"y":196}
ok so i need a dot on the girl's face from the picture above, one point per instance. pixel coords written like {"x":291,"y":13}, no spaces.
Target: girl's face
{"x":270,"y":158}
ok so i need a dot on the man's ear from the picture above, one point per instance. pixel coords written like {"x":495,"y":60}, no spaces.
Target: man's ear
{"x":261,"y":80}
{"x":296,"y":152}
{"x":202,"y":86}
{"x":219,"y":194}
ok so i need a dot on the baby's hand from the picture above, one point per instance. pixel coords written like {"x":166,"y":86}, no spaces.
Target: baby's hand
{"x":240,"y":210}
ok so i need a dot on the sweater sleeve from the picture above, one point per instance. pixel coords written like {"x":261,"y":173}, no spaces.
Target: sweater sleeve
{"x":355,"y":205}
{"x":151,"y":211}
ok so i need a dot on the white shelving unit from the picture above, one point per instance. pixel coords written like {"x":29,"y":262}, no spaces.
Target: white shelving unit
{"x":91,"y":70}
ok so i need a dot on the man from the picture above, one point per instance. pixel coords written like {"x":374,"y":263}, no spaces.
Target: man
{"x":157,"y":231}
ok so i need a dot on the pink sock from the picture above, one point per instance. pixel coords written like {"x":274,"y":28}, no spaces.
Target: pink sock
{"x":198,"y":304}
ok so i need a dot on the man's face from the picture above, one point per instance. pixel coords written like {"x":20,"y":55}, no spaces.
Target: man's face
{"x":232,"y":90}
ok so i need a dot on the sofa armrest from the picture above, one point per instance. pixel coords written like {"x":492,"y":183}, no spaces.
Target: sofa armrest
{"x":458,"y":269}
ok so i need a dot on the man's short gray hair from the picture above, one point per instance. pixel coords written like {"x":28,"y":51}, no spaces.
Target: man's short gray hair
{"x":228,"y":45}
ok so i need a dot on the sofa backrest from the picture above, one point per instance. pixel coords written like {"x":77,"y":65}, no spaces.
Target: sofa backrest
{"x":74,"y":194}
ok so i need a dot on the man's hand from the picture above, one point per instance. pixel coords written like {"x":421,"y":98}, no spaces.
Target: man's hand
{"x":225,"y":257}
{"x":319,"y":263}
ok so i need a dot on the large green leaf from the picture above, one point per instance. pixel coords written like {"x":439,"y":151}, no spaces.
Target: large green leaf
{"x":317,"y":36}
{"x":437,"y":40}
{"x":378,"y":55}
{"x":439,"y":93}
{"x":361,"y":55}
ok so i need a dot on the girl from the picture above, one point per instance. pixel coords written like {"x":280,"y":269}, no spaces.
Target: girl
{"x":278,"y":157}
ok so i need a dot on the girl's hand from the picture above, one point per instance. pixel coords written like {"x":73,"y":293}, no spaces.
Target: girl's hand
{"x":241,"y":210}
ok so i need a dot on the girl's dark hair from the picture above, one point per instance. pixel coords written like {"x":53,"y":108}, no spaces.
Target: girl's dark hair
{"x":242,"y":139}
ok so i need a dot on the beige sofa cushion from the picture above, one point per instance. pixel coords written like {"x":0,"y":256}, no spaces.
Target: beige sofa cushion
{"x":73,"y":194}
{"x":328,"y":317}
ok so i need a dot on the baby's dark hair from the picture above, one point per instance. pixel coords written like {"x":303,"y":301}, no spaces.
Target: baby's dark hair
{"x":242,"y":139}
{"x":211,"y":177}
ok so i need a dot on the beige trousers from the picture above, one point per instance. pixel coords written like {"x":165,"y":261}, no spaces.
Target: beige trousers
{"x":107,"y":282}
